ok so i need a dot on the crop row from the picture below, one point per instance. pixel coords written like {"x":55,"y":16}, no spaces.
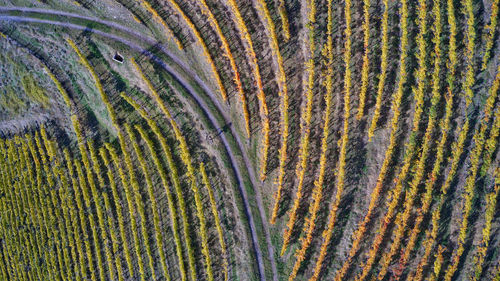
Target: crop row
{"x":317,"y":193}
{"x":360,"y":231}
{"x":206,"y":53}
{"x":284,"y":19}
{"x":435,"y":99}
{"x":383,"y":70}
{"x":184,"y":155}
{"x":412,"y":193}
{"x":282,"y":85}
{"x":213,"y":207}
{"x":228,"y":54}
{"x":156,"y":16}
{"x":491,"y":202}
{"x":366,"y":61}
{"x":332,"y":216}
{"x":128,"y":162}
{"x":284,"y":115}
{"x":305,"y":122}
{"x":491,"y":33}
{"x":263,"y":111}
{"x":186,"y":159}
{"x":470,"y":36}
{"x":174,"y":177}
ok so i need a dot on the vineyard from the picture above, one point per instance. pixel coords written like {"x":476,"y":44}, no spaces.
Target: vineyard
{"x":249,"y":140}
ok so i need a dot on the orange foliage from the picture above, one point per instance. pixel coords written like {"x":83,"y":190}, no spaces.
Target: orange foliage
{"x":306,"y":110}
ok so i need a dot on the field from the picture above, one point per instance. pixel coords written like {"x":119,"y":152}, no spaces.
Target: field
{"x":249,"y":140}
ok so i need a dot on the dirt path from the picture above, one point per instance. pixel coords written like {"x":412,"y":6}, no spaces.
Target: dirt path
{"x":195,"y":96}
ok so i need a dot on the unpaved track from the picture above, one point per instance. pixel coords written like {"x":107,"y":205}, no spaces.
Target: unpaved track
{"x":195,"y":96}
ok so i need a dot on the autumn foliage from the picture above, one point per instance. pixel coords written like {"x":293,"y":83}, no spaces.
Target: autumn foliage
{"x":308,"y":91}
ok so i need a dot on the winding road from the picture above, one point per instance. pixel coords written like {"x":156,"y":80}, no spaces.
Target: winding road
{"x":25,"y":17}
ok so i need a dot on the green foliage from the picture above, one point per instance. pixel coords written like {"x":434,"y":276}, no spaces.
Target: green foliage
{"x":131,"y":207}
{"x":20,"y":89}
{"x":139,"y":204}
{"x":11,"y":101}
{"x":121,"y":220}
{"x":67,"y":216}
{"x":34,"y":91}
{"x":490,"y":28}
{"x":171,"y":203}
{"x":73,"y":194}
{"x":95,"y":167}
{"x":152,"y":198}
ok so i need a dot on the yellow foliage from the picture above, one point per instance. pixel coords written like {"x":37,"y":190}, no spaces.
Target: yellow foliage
{"x":119,"y":211}
{"x":176,"y":183}
{"x":128,"y":196}
{"x":366,"y":62}
{"x":34,"y":91}
{"x":491,"y":32}
{"x":227,"y":53}
{"x":305,"y":123}
{"x":186,"y":159}
{"x":283,"y":93}
{"x":206,"y":53}
{"x":428,"y":139}
{"x":284,"y":20}
{"x":263,"y":111}
{"x":156,"y":16}
{"x":328,"y":232}
{"x":63,"y":92}
{"x":385,"y":165}
{"x":317,"y":193}
{"x":491,"y":202}
{"x":383,"y":70}
{"x":470,"y":36}
{"x":213,"y":206}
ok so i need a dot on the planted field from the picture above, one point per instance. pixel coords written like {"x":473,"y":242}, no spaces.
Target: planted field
{"x":249,"y":140}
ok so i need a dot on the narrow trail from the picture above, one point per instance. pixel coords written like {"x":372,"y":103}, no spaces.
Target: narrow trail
{"x":194,"y":95}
